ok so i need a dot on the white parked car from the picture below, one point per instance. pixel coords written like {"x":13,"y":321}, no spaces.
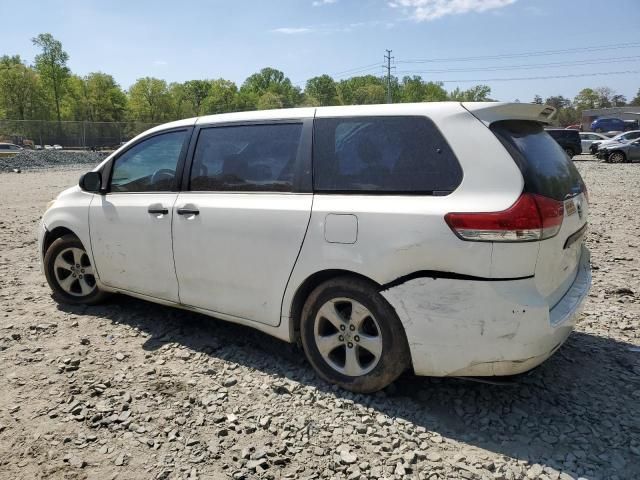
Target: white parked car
{"x":57,"y":147}
{"x":589,"y":138}
{"x":445,"y":238}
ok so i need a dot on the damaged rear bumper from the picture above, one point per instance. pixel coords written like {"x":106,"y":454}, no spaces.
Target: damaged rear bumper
{"x":485,"y":328}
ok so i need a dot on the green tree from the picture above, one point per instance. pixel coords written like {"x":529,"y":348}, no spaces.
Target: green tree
{"x":222,"y":97}
{"x":323,"y":90}
{"x":478,"y":93}
{"x":20,"y":89}
{"x":149,"y":100}
{"x":179,"y":104}
{"x":558,"y":102}
{"x":51,"y":64}
{"x":95,"y":98}
{"x":370,"y":95}
{"x":195,"y":94}
{"x":414,"y":89}
{"x":353,"y":91}
{"x":272,"y":81}
{"x":586,"y":99}
{"x":269,"y":101}
{"x":636,"y":100}
{"x":537,"y":100}
{"x":618,"y":100}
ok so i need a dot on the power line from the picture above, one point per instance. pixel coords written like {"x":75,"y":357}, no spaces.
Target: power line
{"x":525,"y":54}
{"x":573,"y":75}
{"x":595,"y":61}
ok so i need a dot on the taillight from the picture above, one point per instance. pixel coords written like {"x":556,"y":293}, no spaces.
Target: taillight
{"x":532,"y":217}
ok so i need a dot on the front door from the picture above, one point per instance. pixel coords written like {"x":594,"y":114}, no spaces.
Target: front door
{"x":130,"y":226}
{"x":238,"y":231}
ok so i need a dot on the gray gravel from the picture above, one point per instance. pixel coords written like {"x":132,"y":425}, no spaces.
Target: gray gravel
{"x":131,"y":389}
{"x":35,"y":159}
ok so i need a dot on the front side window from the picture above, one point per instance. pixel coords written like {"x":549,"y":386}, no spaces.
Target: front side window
{"x":149,"y":166}
{"x":254,"y":158}
{"x":383,"y":155}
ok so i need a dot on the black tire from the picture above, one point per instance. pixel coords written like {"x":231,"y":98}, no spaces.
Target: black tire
{"x":569,"y":152}
{"x":394,"y":358}
{"x":60,"y":245}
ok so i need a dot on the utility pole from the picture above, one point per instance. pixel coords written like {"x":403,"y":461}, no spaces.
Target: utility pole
{"x":387,"y":65}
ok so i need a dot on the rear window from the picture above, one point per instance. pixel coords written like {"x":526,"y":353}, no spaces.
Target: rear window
{"x":546,"y":169}
{"x":383,"y":155}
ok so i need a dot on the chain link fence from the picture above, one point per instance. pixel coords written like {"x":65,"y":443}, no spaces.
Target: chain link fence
{"x":70,"y":134}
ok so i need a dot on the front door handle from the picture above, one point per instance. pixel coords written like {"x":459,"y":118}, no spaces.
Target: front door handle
{"x":188,"y":211}
{"x":158,"y":210}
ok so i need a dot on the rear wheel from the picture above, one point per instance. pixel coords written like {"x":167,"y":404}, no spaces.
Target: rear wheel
{"x":352,"y":336}
{"x":69,"y":272}
{"x":617,"y":157}
{"x":570,"y":152}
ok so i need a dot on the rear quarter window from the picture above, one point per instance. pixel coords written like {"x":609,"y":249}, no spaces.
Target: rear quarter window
{"x":405,"y":155}
{"x":546,"y":169}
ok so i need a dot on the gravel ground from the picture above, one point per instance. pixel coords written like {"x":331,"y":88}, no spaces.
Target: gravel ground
{"x":131,"y":389}
{"x":35,"y":159}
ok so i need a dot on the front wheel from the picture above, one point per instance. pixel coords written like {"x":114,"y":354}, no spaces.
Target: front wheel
{"x":352,"y":336}
{"x":69,"y":272}
{"x":617,"y":157}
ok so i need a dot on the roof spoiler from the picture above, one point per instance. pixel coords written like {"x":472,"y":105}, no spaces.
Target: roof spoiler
{"x":489,"y":112}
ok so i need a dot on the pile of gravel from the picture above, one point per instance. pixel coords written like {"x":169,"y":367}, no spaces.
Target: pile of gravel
{"x":31,"y":159}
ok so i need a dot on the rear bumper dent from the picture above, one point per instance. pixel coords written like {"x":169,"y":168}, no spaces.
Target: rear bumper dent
{"x":480,"y":328}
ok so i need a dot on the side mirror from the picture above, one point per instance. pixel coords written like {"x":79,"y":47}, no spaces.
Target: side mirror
{"x":91,"y":182}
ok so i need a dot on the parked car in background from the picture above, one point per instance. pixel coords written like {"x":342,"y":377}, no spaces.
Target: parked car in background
{"x":48,"y":147}
{"x":600,"y":125}
{"x":626,"y":152}
{"x":349,"y":229}
{"x":9,"y":149}
{"x":12,"y":147}
{"x":569,"y":140}
{"x":57,"y":147}
{"x":588,"y":138}
{"x":631,"y":125}
{"x":620,"y":138}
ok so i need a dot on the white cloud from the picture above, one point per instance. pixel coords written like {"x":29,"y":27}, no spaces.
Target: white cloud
{"x":319,"y":3}
{"x":160,"y":63}
{"x":424,"y":10}
{"x":292,"y":30}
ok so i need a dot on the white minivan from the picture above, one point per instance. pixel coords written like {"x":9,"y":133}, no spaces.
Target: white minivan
{"x":445,"y":238}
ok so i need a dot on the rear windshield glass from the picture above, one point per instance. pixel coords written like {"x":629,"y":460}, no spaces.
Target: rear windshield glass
{"x":546,"y":169}
{"x":383,"y":155}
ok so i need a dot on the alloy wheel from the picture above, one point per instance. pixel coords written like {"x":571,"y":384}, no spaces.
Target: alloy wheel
{"x":616,"y":157}
{"x":74,"y":273}
{"x":348,"y":337}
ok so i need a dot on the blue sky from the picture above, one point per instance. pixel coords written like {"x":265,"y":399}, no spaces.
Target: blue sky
{"x":180,"y":41}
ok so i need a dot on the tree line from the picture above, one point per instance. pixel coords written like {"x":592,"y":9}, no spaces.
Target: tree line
{"x":48,"y":90}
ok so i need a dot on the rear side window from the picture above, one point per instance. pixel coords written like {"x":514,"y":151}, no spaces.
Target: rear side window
{"x":546,"y":169}
{"x":382,"y":155}
{"x":246,"y":158}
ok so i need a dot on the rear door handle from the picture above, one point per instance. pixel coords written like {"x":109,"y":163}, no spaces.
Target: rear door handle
{"x":188,"y":211}
{"x":158,"y":211}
